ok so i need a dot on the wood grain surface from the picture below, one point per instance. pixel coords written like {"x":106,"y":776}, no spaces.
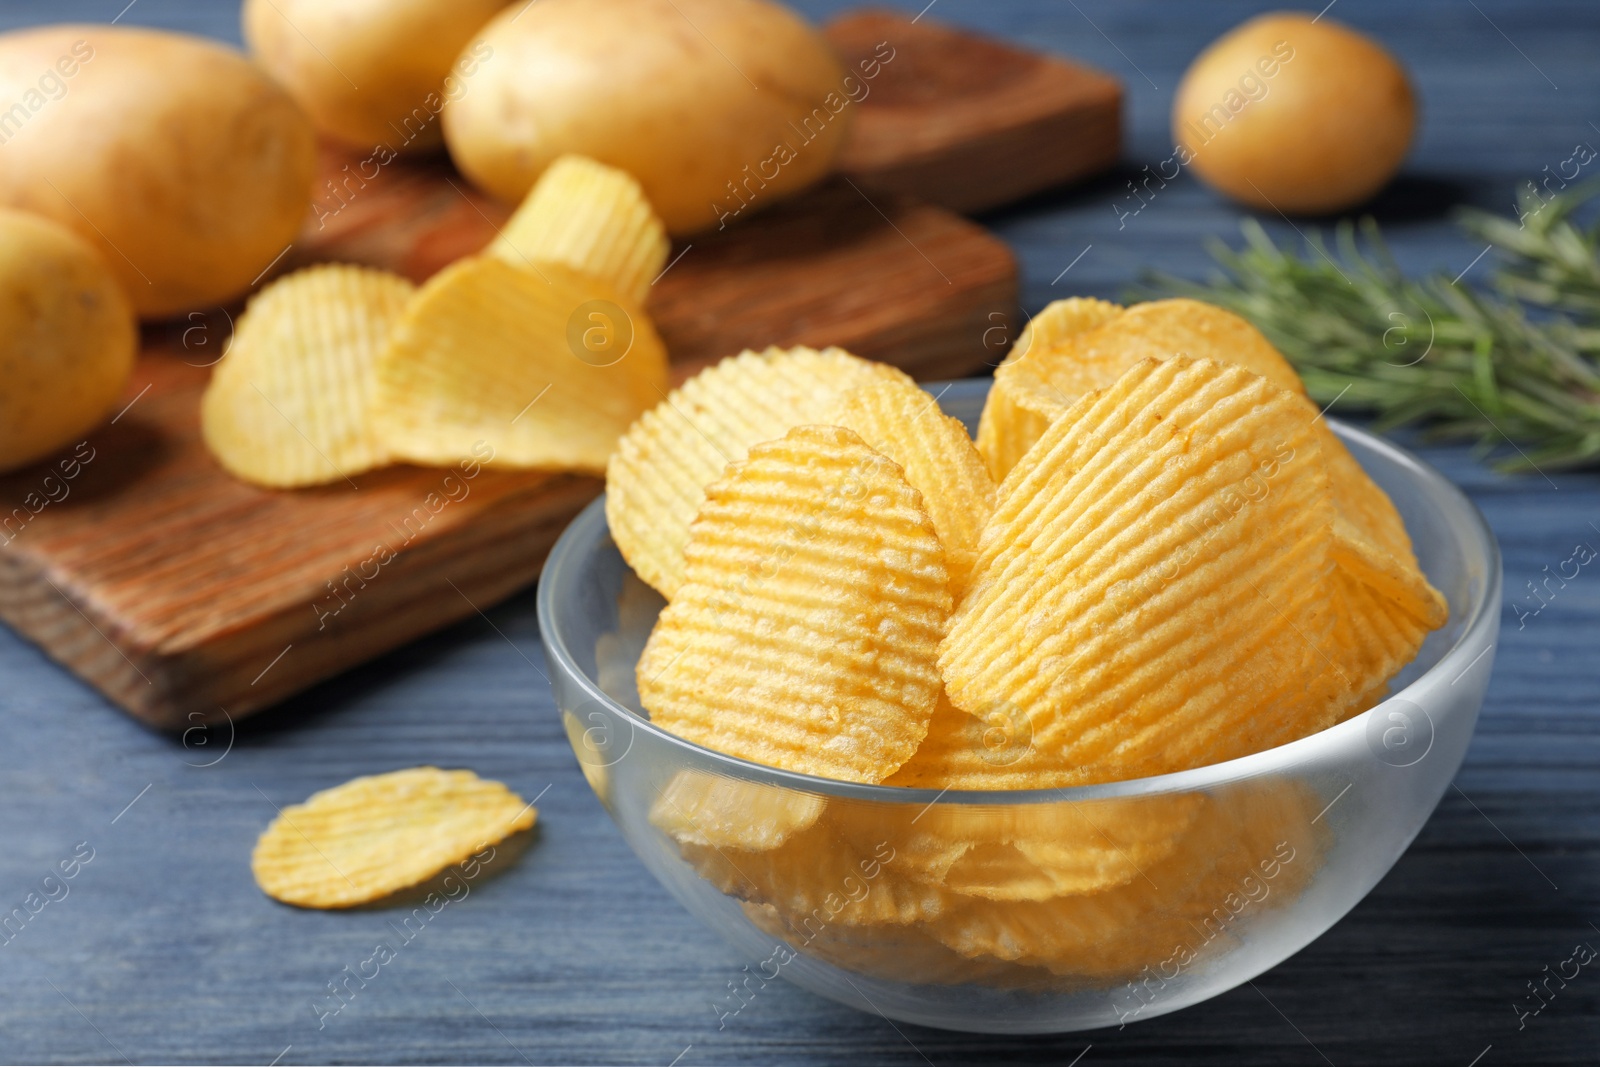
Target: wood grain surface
{"x":165,"y":952}
{"x":966,"y":121}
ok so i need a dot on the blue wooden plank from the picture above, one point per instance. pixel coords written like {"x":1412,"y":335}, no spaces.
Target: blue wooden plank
{"x":163,"y":951}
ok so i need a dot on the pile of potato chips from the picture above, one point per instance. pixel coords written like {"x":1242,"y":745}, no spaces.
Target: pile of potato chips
{"x":1156,"y":557}
{"x":536,"y":353}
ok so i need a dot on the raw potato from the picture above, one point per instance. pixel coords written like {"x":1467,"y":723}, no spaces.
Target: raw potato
{"x":178,"y":159}
{"x":370,"y":72}
{"x":682,"y":94}
{"x":1286,"y":114}
{"x":67,"y":338}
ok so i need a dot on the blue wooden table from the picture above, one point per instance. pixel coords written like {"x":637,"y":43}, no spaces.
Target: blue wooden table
{"x":163,"y":950}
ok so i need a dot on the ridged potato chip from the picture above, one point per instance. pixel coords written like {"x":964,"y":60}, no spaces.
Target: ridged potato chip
{"x":1077,"y":345}
{"x":1061,"y":364}
{"x":288,"y":405}
{"x":903,"y":421}
{"x":697,"y":808}
{"x":656,"y":480}
{"x":492,"y":354}
{"x":1385,"y":609}
{"x":891,"y":953}
{"x":805,"y":632}
{"x":978,"y":752}
{"x":1060,"y":322}
{"x":1021,"y":404}
{"x":1242,"y":847}
{"x":592,"y":218}
{"x":1063,"y":848}
{"x":372,"y":836}
{"x":1151,"y":593}
{"x":822,"y":877}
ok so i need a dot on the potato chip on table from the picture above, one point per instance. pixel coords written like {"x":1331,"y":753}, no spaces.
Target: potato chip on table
{"x":656,"y":480}
{"x":372,"y":836}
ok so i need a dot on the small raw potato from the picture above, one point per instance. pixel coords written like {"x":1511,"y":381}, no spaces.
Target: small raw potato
{"x":719,"y":107}
{"x":290,"y":405}
{"x":503,"y":356}
{"x":656,"y":479}
{"x":1289,"y":113}
{"x":904,"y":422}
{"x":67,"y":339}
{"x":593,"y":218}
{"x":371,"y":72}
{"x":360,"y":841}
{"x":805,"y":633}
{"x":1151,"y":594}
{"x":179,"y":159}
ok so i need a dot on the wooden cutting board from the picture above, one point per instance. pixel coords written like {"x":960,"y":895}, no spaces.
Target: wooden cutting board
{"x":185,"y":595}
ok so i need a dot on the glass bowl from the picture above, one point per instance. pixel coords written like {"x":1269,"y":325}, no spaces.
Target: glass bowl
{"x":1039,"y":911}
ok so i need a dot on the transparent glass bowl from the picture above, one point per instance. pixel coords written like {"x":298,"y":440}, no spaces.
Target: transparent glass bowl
{"x":1039,"y":911}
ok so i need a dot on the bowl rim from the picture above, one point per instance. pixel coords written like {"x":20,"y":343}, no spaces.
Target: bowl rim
{"x":1482,"y":616}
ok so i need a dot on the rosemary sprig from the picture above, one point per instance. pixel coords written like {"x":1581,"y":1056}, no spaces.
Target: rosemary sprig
{"x":1520,"y":366}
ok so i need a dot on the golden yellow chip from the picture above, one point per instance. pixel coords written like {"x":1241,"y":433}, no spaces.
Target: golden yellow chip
{"x":1373,"y":636}
{"x":1249,"y":850}
{"x":372,"y":836}
{"x":805,"y":633}
{"x":1392,"y":578}
{"x":978,"y":752}
{"x":892,"y":953}
{"x":1151,"y":593}
{"x":1385,"y":609}
{"x":533,"y":370}
{"x":1026,"y":851}
{"x":288,"y":405}
{"x":698,"y":808}
{"x":1361,"y":503}
{"x":656,"y":480}
{"x":592,"y":218}
{"x":1021,"y":405}
{"x":824,"y":877}
{"x":1034,"y":389}
{"x":904,"y":422}
{"x":1060,"y":322}
{"x":1063,"y":848}
{"x":1078,"y":345}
